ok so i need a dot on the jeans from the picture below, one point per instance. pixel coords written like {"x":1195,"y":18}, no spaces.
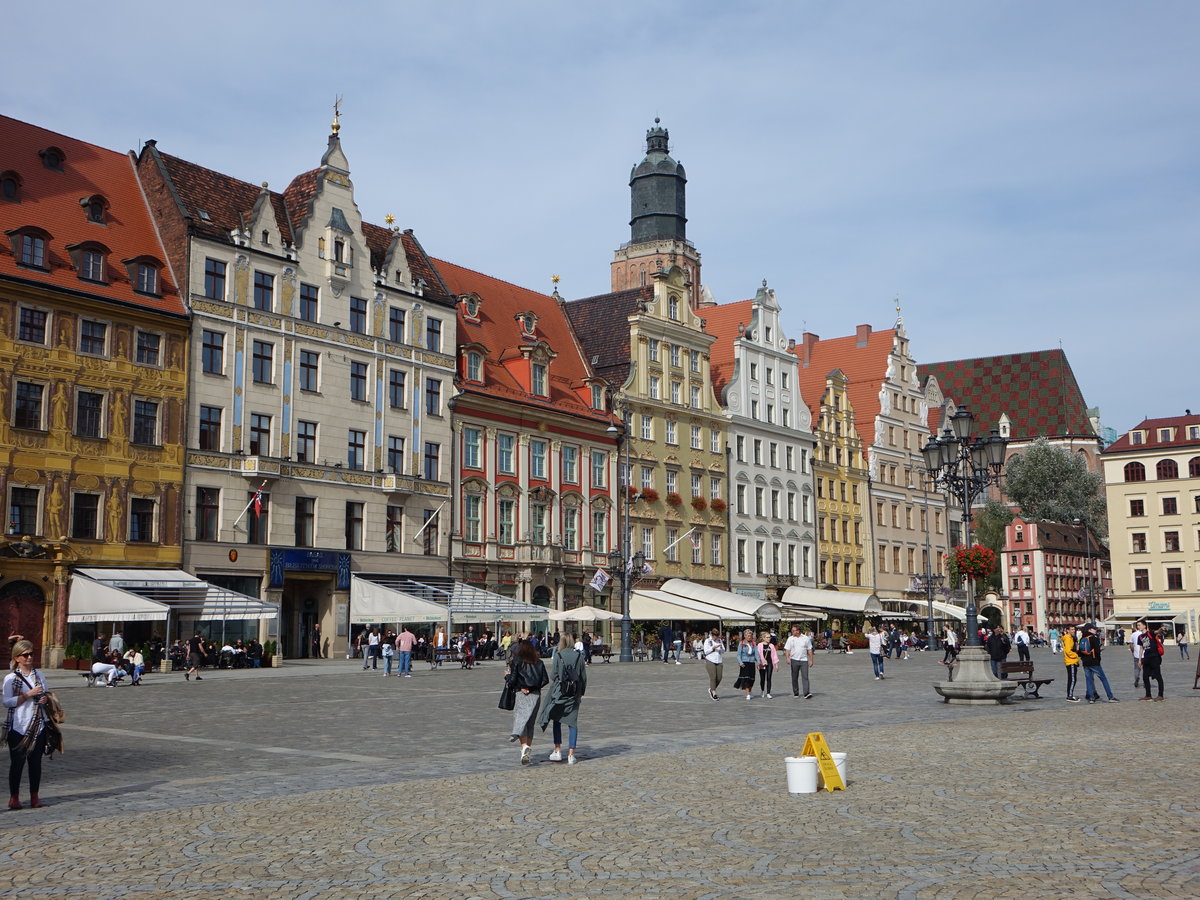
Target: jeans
{"x":1022,"y":652}
{"x":877,"y":664}
{"x":1072,"y":677}
{"x":405,"y":662}
{"x":387,"y":665}
{"x":996,"y":668}
{"x":137,"y":673}
{"x":1090,"y":672}
{"x":1183,"y":650}
{"x":572,"y":734}
{"x":799,"y":671}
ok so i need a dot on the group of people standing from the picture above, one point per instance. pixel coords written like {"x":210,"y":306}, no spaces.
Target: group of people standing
{"x":567,"y":681}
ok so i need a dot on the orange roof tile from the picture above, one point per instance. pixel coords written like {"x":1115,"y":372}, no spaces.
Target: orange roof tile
{"x":724,"y":323}
{"x":601,"y":323}
{"x":1151,"y":440}
{"x":864,"y":363}
{"x":50,"y":200}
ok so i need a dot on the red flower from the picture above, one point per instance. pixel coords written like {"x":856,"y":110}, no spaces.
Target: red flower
{"x":674,"y":499}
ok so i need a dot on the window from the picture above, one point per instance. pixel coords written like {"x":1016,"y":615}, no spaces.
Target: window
{"x":433,"y":396}
{"x":394,"y":536}
{"x":208,"y":508}
{"x":599,"y":530}
{"x":674,"y":353}
{"x":773,"y":456}
{"x":397,"y":388}
{"x":304,"y":527}
{"x":695,"y":397}
{"x":10,"y":187}
{"x":433,"y":334}
{"x":310,"y":368}
{"x":758,"y":446}
{"x":263,"y":362}
{"x":93,"y":337}
{"x":647,"y":428}
{"x":474,"y":366}
{"x":396,"y":325}
{"x":673,"y":309}
{"x":148,"y":346}
{"x":507,"y":510}
{"x":653,"y":349}
{"x":694,"y":360}
{"x":714,"y":441}
{"x":570,"y":464}
{"x":214,"y":279}
{"x":33,"y":326}
{"x":1135,"y":471}
{"x":1194,"y":467}
{"x":1166,"y":468}
{"x":504,"y":454}
{"x":676,"y":392}
{"x":1138,"y":539}
{"x":1171,"y":542}
{"x":537,"y":460}
{"x":599,"y":468}
{"x":672,"y":481}
{"x":473,"y":516}
{"x":760,"y":495}
{"x":1141,"y":579}
{"x":714,"y":488}
{"x":358,"y":315}
{"x":306,"y":442}
{"x":91,"y":265}
{"x":672,"y":551}
{"x":697,"y":437}
{"x":23,"y":511}
{"x":356,"y":449}
{"x":655,"y":387}
{"x":714,"y":555}
{"x":33,"y":251}
{"x":697,"y":485}
{"x":358,"y":381}
{"x":209,"y":437}
{"x":147,"y":278}
{"x":538,"y":380}
{"x":1137,"y":508}
{"x":354,"y":525}
{"x":141,"y":520}
{"x":308,"y":302}
{"x":537,"y":522}
{"x":264,"y":291}
{"x":754,"y":409}
{"x":433,"y":452}
{"x":395,"y":454}
{"x":260,"y":435}
{"x":1174,"y":579}
{"x":473,"y":448}
{"x":145,"y":422}
{"x":597,"y":397}
{"x":85,"y":517}
{"x":571,"y":528}
{"x":212,"y":353}
{"x":740,"y":502}
{"x":672,"y":435}
{"x":647,"y":477}
{"x":648,"y":542}
{"x":89,"y":414}
{"x":258,"y":519}
{"x":1170,"y":506}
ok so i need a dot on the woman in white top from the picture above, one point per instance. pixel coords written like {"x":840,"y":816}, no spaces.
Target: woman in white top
{"x":24,"y":695}
{"x":714,"y":658}
{"x":950,"y":645}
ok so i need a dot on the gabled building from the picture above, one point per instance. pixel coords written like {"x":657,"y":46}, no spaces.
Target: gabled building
{"x":322,"y":368}
{"x":908,"y":531}
{"x":772,"y":526}
{"x":1152,"y":483}
{"x":1055,"y":576}
{"x":93,"y":378}
{"x":535,"y":471}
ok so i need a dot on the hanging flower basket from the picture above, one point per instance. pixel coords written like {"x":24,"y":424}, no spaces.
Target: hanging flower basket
{"x":650,"y":495}
{"x":674,"y":499}
{"x":719,"y":505}
{"x":976,"y":562}
{"x":699,"y":504}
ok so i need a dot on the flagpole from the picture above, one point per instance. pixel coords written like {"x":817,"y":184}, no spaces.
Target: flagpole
{"x":430,"y":519}
{"x":678,"y":539}
{"x":257,"y":494}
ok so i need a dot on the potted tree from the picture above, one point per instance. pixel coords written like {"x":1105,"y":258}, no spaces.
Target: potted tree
{"x":269,"y":651}
{"x":76,"y":651}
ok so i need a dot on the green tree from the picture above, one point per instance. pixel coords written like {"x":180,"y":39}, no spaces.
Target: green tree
{"x":990,"y":523}
{"x":1050,"y":483}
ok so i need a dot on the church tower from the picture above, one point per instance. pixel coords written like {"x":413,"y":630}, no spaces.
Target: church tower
{"x":658,"y":222}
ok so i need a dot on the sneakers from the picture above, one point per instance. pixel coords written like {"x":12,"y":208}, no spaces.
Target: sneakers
{"x":1158,"y":699}
{"x":187,"y":676}
{"x":808,"y":696}
{"x":198,"y":678}
{"x":556,"y":756}
{"x":713,"y":694}
{"x":571,"y":760}
{"x":526,"y":755}
{"x":767,"y":696}
{"x":1114,"y":700}
{"x":677,"y":662}
{"x":512,"y":738}
{"x":749,"y":697}
{"x":1140,"y":699}
{"x":1072,"y":699}
{"x":877,"y":677}
{"x":1091,"y":700}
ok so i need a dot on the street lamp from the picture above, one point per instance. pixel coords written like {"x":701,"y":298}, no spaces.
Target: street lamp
{"x":620,"y":561}
{"x":928,"y":581}
{"x":1087,"y":593}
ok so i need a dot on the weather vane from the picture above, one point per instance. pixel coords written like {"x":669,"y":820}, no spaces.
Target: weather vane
{"x":337,"y":115}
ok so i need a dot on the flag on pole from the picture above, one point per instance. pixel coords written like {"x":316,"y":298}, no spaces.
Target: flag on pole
{"x":695,"y":540}
{"x":258,"y":504}
{"x":600,"y":581}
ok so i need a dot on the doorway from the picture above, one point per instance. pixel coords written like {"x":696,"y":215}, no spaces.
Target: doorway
{"x":22,"y":610}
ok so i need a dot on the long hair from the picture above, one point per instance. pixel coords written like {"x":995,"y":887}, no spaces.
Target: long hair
{"x":19,"y":648}
{"x":566,"y":641}
{"x":526,"y":653}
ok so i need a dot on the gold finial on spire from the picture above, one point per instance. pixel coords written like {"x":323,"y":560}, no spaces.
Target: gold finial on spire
{"x":337,"y":115}
{"x":555,"y":279}
{"x":897,"y":304}
{"x":389,"y":218}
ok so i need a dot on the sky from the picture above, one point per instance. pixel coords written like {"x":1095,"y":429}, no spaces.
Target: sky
{"x":1020,"y":175}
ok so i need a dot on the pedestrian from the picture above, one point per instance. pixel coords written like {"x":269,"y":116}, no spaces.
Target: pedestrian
{"x":747,"y":661}
{"x":828,"y":640}
{"x":1053,"y":640}
{"x":1089,"y":656}
{"x":666,"y":635}
{"x":1135,"y":650}
{"x":875,"y":645}
{"x":798,"y":650}
{"x":998,"y":648}
{"x":768,"y":662}
{"x":100,"y":649}
{"x":714,"y":661}
{"x":404,"y":647}
{"x":1181,"y":638}
{"x":1070,"y":640}
{"x":529,"y":677}
{"x":568,"y":683}
{"x":374,"y":648}
{"x":1021,"y":639}
{"x":1152,"y":657}
{"x":196,"y":655}
{"x":388,"y":649}
{"x":950,"y":647}
{"x":26,"y":725}
{"x":137,"y":665}
{"x":116,"y":644}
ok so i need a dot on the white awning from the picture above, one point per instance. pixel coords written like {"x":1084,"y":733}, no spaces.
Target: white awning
{"x":749,"y":607}
{"x":370,"y":602}
{"x":584,"y":614}
{"x":456,"y":601}
{"x":791,"y":613}
{"x":659,"y":605}
{"x":834,"y":601}
{"x":94,"y":590}
{"x":942,"y":610}
{"x":1129,"y":618}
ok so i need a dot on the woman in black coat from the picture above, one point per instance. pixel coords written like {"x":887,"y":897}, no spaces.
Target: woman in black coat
{"x":529,"y":676}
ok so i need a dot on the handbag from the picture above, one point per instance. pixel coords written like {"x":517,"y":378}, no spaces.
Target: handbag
{"x":508,"y":694}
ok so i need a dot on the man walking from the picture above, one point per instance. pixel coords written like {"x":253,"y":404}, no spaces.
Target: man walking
{"x":1152,"y":654}
{"x":1071,"y":661}
{"x":998,"y":648}
{"x":799,"y":650}
{"x":1089,"y":656}
{"x":196,"y":656}
{"x":1135,"y":650}
{"x":1053,"y":640}
{"x":875,"y":644}
{"x":1021,"y":639}
{"x":666,"y":634}
{"x":404,"y":645}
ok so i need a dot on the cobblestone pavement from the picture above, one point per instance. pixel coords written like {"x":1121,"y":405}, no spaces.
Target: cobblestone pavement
{"x":321,"y":780}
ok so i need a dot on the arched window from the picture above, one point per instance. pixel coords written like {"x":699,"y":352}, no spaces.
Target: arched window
{"x":1135,"y":471}
{"x":52,"y":158}
{"x":1194,"y":467}
{"x":673,"y":309}
{"x":10,"y":186}
{"x":1166,"y":468}
{"x":96,"y":207}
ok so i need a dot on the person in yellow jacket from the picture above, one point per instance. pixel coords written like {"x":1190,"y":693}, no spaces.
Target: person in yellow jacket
{"x":1070,"y":641}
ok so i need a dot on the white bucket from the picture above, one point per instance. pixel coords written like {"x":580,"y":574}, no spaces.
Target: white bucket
{"x":839,"y":760}
{"x":801,"y":774}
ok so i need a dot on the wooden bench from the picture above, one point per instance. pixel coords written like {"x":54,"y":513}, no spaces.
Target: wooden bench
{"x":604,"y":652}
{"x":1024,"y":672}
{"x":92,"y":679}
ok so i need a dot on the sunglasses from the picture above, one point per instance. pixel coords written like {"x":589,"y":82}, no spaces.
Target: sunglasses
{"x":22,"y":655}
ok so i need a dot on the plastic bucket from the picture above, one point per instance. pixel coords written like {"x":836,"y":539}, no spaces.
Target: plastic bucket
{"x":839,"y":760}
{"x":801,"y":774}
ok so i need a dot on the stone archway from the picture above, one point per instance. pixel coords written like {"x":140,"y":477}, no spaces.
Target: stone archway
{"x":22,"y":611}
{"x":542,"y":595}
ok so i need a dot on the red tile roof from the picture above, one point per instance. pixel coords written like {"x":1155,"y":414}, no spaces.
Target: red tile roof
{"x":862,"y":357}
{"x":1036,"y":390}
{"x":499,"y":334}
{"x":602,"y":326}
{"x":724,"y":323}
{"x":50,"y":200}
{"x":1150,"y":441}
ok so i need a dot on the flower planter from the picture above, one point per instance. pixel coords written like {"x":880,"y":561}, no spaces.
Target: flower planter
{"x":674,"y":499}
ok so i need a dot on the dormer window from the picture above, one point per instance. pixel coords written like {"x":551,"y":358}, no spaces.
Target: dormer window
{"x":1136,"y":437}
{"x":470,"y":304}
{"x":527,"y":322}
{"x":673,"y":309}
{"x":474,"y":366}
{"x":144,"y":274}
{"x":96,"y":207}
{"x":339,"y":251}
{"x":52,"y":158}
{"x":30,"y":246}
{"x":90,"y":261}
{"x":1165,"y":435}
{"x":597,"y":396}
{"x":537,"y":378}
{"x":10,"y":186}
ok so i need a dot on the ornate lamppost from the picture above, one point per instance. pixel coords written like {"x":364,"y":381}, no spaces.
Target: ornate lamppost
{"x":620,"y":562}
{"x":1087,"y":593}
{"x":965,"y":466}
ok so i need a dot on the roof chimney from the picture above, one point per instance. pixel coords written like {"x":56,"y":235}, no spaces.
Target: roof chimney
{"x":808,"y":340}
{"x":861,"y":335}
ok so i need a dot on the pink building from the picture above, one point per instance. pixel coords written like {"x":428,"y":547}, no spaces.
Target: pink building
{"x":1054,"y":575}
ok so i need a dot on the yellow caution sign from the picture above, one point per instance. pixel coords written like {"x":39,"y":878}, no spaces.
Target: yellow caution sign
{"x":814,"y":745}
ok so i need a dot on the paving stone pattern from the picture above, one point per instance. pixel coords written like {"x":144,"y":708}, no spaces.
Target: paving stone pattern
{"x":320,"y":780}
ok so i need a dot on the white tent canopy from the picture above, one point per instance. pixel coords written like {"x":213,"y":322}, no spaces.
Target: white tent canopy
{"x":584,"y":614}
{"x":457,"y":602}
{"x":790,"y":613}
{"x":659,"y":605}
{"x":370,"y":602}
{"x":95,"y":593}
{"x":749,"y":607}
{"x":834,"y":601}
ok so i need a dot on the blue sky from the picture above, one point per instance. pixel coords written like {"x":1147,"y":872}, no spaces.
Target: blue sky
{"x":1020,"y":173}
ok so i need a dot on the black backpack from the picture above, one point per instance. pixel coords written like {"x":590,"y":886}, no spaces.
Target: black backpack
{"x":569,"y":678}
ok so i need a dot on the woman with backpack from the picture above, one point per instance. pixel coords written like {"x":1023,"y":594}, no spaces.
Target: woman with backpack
{"x":1152,"y":657}
{"x":568,"y":683}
